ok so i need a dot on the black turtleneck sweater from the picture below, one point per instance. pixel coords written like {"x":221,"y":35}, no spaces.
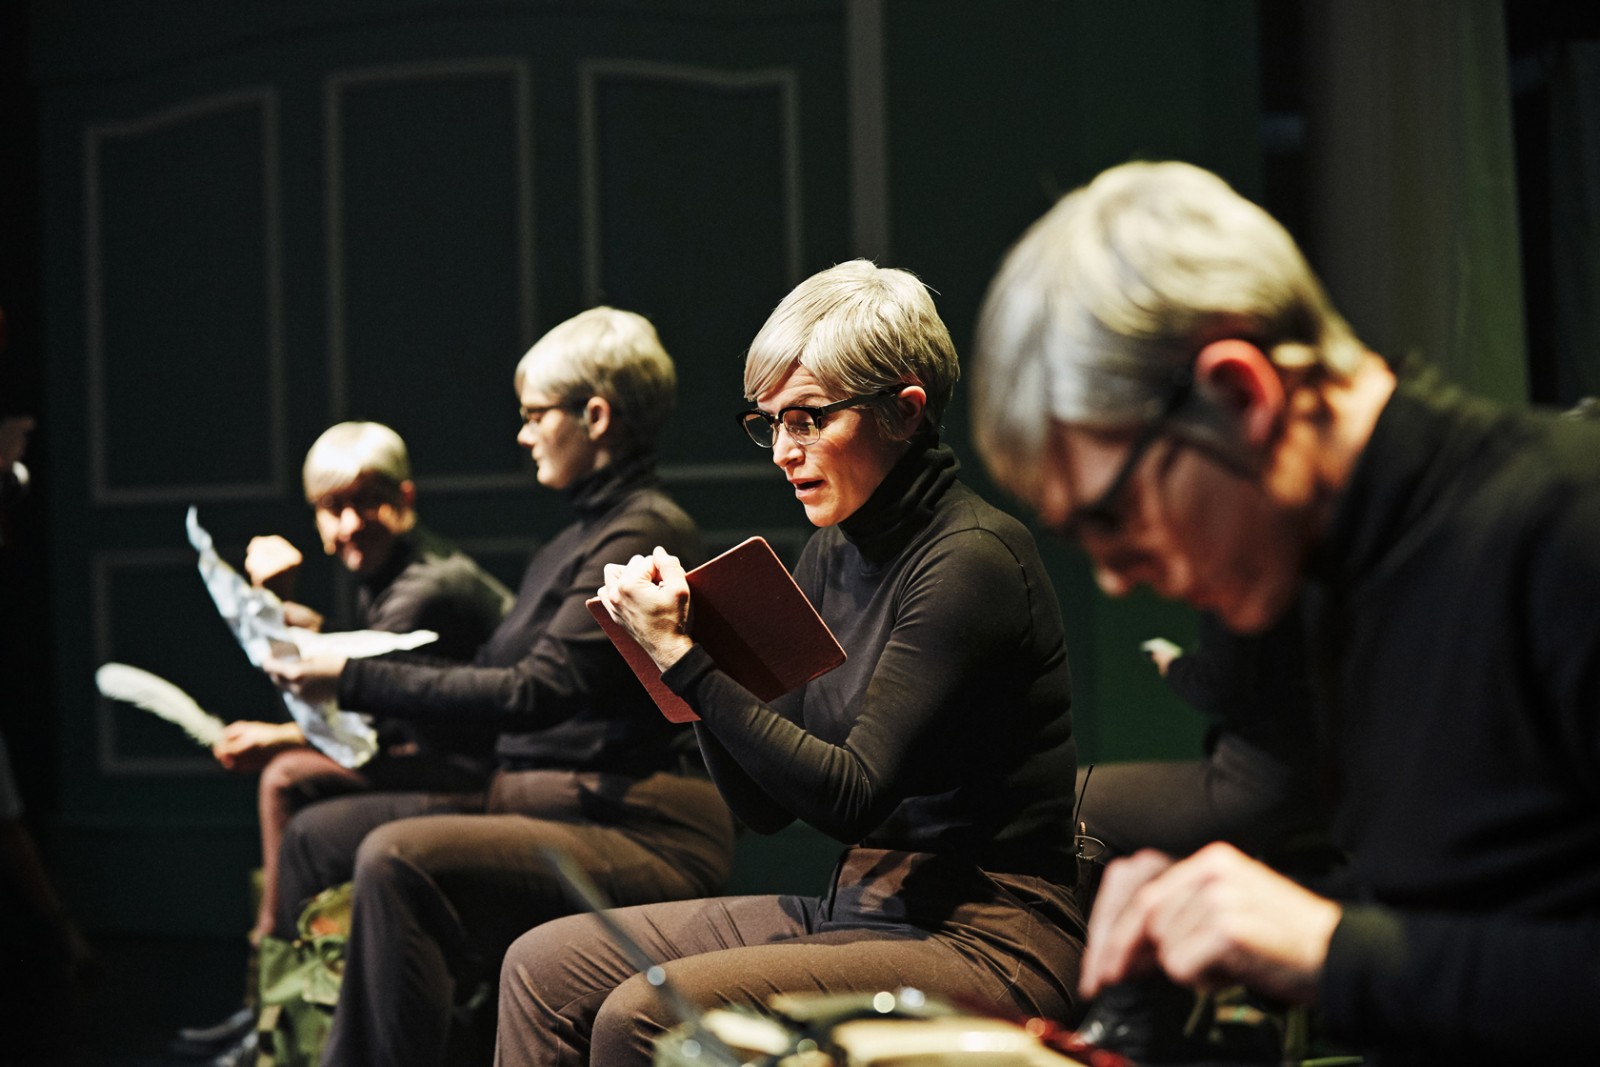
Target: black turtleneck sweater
{"x":1455,"y":609}
{"x":949,"y":727}
{"x":427,"y":583}
{"x":560,"y":692}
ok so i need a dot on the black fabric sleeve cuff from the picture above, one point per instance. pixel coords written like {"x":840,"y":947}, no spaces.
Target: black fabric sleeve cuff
{"x":683,"y":675}
{"x":348,"y":695}
{"x":1367,"y":953}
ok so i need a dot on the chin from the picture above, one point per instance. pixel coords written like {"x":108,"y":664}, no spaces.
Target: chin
{"x":1244,"y":623}
{"x":1253,"y":615}
{"x":821,"y":517}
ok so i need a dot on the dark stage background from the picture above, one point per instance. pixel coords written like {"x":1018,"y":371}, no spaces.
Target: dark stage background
{"x":227,"y":225}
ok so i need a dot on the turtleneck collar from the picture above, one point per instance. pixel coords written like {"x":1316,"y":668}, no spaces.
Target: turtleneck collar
{"x":402,"y":554}
{"x":1417,"y":449}
{"x":594,"y":494}
{"x":904,"y":502}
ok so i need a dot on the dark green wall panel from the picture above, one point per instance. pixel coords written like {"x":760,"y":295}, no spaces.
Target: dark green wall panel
{"x":430,"y":256}
{"x":256,"y":221}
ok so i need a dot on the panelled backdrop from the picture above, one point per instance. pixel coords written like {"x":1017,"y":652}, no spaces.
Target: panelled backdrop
{"x":260,"y":219}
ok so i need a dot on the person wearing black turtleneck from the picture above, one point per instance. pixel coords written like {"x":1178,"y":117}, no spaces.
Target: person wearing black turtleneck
{"x":940,"y":753}
{"x":586,"y":762}
{"x":357,"y":479}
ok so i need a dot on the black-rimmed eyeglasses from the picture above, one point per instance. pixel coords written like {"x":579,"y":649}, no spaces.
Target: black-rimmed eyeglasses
{"x":1104,"y":516}
{"x":366,"y":500}
{"x":534,"y":413}
{"x":803,"y":424}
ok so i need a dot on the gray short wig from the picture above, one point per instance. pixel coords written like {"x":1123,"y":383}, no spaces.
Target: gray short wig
{"x":1117,"y":288}
{"x":348,"y":450}
{"x":608,"y":353}
{"x":857,"y":328}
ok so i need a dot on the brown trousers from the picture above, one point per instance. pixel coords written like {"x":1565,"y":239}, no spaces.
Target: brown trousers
{"x":439,"y":896}
{"x":569,"y":996}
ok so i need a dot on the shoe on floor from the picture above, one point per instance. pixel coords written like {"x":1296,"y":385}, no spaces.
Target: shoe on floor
{"x":204,"y":1042}
{"x":241,"y":1054}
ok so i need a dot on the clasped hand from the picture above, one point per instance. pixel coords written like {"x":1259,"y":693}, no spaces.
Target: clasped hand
{"x":649,"y":597}
{"x":1214,"y":919}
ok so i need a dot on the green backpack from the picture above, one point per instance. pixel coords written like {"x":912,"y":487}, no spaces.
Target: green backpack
{"x":299,"y":983}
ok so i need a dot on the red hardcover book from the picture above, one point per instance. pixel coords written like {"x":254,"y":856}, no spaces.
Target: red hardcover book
{"x":754,"y":621}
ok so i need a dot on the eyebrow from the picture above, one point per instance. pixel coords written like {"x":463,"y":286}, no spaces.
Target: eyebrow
{"x":813,"y":402}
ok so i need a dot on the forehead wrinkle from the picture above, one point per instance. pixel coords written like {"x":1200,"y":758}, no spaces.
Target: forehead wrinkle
{"x":805,"y":393}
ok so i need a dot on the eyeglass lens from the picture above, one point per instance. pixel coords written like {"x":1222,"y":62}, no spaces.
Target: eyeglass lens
{"x":367,"y":501}
{"x":763,"y":428}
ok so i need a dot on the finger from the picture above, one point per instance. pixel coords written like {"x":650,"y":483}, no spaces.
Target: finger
{"x":642,"y":569}
{"x":1122,"y":951}
{"x":1122,"y":879}
{"x":1116,"y":925}
{"x":1182,"y":914}
{"x":670,"y":568}
{"x":285,"y":673}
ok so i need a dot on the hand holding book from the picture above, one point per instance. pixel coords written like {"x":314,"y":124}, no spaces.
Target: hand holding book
{"x":649,"y":597}
{"x":742,"y":607}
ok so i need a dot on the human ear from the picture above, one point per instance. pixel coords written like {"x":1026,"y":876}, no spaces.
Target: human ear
{"x":910,"y":405}
{"x":1244,"y":384}
{"x":597,"y":417}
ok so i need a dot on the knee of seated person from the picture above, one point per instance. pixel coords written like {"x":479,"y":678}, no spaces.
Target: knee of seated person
{"x":298,"y":830}
{"x":380,"y":854}
{"x":631,"y":1019}
{"x":277,"y":776}
{"x":545,"y":949}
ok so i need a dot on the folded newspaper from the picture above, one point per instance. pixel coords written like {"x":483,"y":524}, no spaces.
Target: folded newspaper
{"x":256,"y":618}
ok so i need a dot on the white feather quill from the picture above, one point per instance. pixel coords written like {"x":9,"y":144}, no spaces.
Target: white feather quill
{"x":154,"y":693}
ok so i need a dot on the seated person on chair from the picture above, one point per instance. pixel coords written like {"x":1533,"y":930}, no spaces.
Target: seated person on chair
{"x":1163,"y":377}
{"x":587,"y":764}
{"x":358,"y":482}
{"x":357,"y":478}
{"x":940,"y":754}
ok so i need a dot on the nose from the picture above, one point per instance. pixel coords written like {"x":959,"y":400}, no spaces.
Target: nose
{"x":1112,"y":582}
{"x":786,"y":452}
{"x":349,"y":521}
{"x":525,"y":435}
{"x":1119,"y":570}
{"x":1119,"y":567}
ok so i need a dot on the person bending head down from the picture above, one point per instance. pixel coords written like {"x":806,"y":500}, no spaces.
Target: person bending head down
{"x":1161,"y":376}
{"x":1158,"y":361}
